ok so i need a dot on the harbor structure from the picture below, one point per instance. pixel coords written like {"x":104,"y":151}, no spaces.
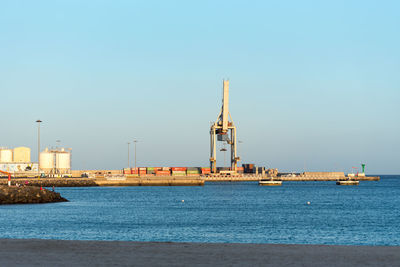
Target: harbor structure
{"x":223,"y":130}
{"x":21,"y":154}
{"x":55,"y":162}
{"x":6,"y":155}
{"x":17,"y":161}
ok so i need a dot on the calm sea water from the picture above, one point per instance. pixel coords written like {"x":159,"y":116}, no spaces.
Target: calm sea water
{"x":368,"y":214}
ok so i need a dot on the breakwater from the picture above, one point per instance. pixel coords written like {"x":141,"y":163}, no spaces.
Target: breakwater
{"x":49,"y":182}
{"x":166,"y":180}
{"x":243,"y":178}
{"x":28,"y":195}
{"x":101,"y":181}
{"x":152,"y":181}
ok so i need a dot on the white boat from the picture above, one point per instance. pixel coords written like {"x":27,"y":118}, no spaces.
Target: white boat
{"x":270,"y":183}
{"x":348,"y":182}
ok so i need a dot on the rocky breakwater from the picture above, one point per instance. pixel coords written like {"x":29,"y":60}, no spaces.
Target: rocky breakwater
{"x":28,"y":195}
{"x":50,"y":182}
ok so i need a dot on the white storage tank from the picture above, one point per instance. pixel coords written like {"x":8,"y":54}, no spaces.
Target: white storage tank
{"x":46,"y":161}
{"x":6,"y":155}
{"x":22,"y":154}
{"x":63,"y":161}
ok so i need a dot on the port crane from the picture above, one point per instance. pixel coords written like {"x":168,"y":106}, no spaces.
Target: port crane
{"x":225,"y":131}
{"x":9,"y":176}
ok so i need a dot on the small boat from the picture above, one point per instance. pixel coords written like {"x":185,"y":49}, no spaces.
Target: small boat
{"x":348,"y":182}
{"x":270,"y":183}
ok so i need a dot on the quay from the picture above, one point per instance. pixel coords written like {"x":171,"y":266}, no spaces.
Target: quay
{"x":199,"y":180}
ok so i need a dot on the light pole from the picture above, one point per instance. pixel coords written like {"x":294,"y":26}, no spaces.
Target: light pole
{"x":38,"y":121}
{"x":129,"y":164}
{"x":135,"y":141}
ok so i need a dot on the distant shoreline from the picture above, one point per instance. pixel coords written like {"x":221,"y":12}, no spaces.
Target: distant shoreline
{"x":37,"y":252}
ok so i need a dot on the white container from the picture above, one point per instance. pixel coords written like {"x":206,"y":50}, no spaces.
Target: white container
{"x":6,"y":155}
{"x":63,"y":161}
{"x":46,"y":160}
{"x":22,"y":154}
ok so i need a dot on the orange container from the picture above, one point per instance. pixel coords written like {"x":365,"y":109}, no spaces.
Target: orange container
{"x":178,"y":168}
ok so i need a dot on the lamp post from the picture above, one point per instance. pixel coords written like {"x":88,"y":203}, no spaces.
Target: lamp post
{"x":38,"y":121}
{"x":135,"y":141}
{"x":129,"y":164}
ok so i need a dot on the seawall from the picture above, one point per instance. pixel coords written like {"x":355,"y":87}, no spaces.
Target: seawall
{"x":84,"y":182}
{"x":163,"y":180}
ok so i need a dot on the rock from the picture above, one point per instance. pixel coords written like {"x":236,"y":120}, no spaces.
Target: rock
{"x":28,"y":194}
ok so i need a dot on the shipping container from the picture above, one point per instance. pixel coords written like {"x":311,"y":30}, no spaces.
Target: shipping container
{"x":178,"y":173}
{"x":178,"y":168}
{"x":163,"y":173}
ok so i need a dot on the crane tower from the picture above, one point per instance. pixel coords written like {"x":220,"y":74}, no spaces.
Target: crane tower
{"x":225,"y":131}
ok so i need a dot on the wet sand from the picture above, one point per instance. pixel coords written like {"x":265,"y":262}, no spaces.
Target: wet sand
{"x":34,"y":252}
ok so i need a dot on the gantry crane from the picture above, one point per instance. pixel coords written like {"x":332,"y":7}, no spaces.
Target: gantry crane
{"x":221,"y":128}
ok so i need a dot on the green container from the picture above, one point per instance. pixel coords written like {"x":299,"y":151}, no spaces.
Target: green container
{"x":178,"y":173}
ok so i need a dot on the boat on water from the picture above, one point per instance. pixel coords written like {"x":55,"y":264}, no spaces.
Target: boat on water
{"x":269,"y":183}
{"x":348,"y":182}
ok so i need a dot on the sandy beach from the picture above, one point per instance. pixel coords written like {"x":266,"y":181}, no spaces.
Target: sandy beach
{"x":35,"y":252}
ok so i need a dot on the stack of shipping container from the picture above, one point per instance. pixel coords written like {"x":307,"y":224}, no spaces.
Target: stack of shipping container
{"x":249,"y":168}
{"x":205,"y":170}
{"x":182,"y":171}
{"x":178,"y":171}
{"x":164,"y":171}
{"x":193,"y":171}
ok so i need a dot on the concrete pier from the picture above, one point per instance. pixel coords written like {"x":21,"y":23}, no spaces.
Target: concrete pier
{"x":165,"y":180}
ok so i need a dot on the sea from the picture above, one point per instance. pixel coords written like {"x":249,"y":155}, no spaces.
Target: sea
{"x":227,"y":212}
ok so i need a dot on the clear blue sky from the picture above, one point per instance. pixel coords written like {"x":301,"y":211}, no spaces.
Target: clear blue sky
{"x":314,"y":84}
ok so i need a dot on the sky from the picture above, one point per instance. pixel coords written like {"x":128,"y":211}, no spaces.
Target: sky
{"x":314,"y":85}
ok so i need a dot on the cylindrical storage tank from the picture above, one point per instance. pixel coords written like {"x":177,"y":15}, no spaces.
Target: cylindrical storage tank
{"x":6,"y":155}
{"x":22,"y":154}
{"x":63,"y":162}
{"x":46,"y":161}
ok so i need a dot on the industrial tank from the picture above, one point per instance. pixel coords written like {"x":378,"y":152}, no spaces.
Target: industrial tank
{"x":22,"y":154}
{"x":6,"y":155}
{"x":46,"y":161}
{"x":63,"y":161}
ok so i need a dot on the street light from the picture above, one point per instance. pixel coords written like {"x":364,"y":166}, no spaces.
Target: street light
{"x":135,"y":141}
{"x":38,"y":121}
{"x":129,"y":164}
